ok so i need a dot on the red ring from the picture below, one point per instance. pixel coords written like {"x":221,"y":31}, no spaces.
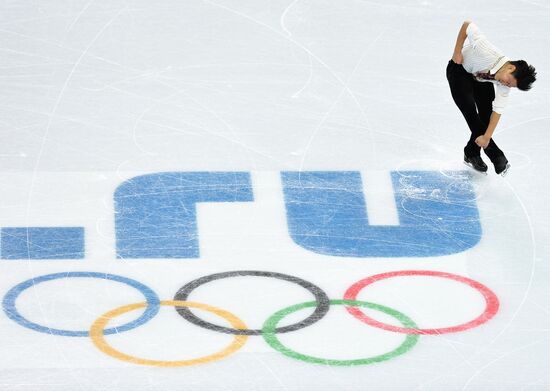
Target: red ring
{"x":491,"y":300}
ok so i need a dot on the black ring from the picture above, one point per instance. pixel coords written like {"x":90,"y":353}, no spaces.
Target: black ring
{"x":321,"y":297}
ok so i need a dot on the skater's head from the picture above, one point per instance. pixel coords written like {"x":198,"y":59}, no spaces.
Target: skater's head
{"x":524,"y":74}
{"x":517,"y":74}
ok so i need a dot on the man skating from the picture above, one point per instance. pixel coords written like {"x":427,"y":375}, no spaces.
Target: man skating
{"x":480,"y":78}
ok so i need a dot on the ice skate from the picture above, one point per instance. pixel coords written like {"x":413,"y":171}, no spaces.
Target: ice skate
{"x":476,"y":163}
{"x":501,"y":166}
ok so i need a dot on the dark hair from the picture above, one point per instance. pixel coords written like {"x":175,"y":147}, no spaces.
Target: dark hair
{"x":525,"y":74}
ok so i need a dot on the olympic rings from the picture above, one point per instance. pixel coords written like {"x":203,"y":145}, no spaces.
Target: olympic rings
{"x":491,"y":302}
{"x":271,"y":338}
{"x":269,"y":330}
{"x":321,"y":297}
{"x":11,"y":310}
{"x":97,"y":335}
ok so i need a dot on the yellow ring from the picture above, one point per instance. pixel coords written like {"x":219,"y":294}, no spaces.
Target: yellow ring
{"x":96,"y":333}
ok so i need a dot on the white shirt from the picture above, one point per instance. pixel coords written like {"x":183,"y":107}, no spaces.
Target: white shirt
{"x":481,"y":56}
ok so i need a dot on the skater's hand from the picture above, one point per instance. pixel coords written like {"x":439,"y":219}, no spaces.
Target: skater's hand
{"x":458,"y":58}
{"x":483,"y":141}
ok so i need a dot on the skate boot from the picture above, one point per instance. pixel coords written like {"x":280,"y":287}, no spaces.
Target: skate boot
{"x":501,"y":165}
{"x":476,"y":163}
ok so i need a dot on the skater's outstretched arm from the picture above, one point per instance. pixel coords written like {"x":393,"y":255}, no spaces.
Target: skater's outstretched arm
{"x":457,"y":54}
{"x":484,"y":139}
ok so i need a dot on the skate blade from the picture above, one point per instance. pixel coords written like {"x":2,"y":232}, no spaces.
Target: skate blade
{"x":503,"y":173}
{"x":472,"y":167}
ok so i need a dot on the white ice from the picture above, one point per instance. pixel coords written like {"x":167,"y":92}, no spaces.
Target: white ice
{"x":93,"y":93}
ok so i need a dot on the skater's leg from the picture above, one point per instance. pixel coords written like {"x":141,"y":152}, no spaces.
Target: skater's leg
{"x":484,"y":94}
{"x":461,"y":84}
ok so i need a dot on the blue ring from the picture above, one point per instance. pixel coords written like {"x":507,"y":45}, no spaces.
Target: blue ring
{"x":10,"y":309}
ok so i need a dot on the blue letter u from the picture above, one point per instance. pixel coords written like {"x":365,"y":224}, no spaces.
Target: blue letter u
{"x":326,"y":213}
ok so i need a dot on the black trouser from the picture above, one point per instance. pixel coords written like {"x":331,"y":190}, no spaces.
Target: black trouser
{"x":475,"y":101}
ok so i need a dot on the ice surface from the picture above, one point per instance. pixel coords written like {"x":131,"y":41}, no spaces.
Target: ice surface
{"x":162,"y":142}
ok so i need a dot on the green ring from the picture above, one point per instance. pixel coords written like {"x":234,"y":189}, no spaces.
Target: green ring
{"x":268,"y":332}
